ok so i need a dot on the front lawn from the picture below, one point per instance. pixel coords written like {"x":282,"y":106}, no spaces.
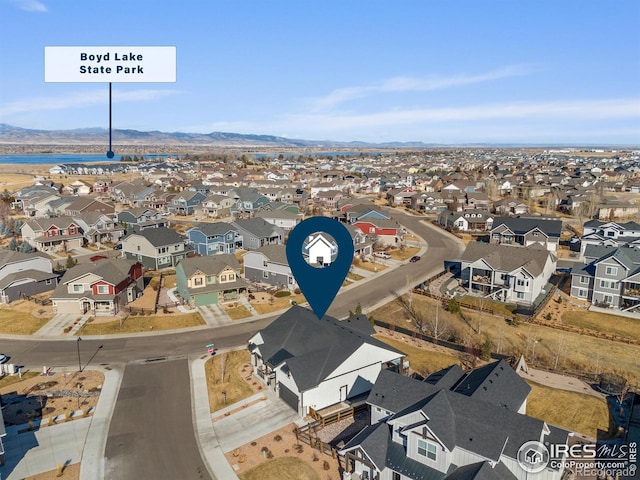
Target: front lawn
{"x":142,"y":323}
{"x":284,"y":468}
{"x":14,"y":322}
{"x":233,"y":384}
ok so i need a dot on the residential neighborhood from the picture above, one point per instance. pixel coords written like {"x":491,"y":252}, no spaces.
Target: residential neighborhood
{"x":468,"y":294}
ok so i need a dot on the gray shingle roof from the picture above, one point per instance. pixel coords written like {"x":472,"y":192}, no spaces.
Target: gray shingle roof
{"x":214,"y":229}
{"x":111,"y":270}
{"x":257,"y":226}
{"x":522,"y":225}
{"x":210,"y":265}
{"x":317,"y":347}
{"x":160,"y":236}
{"x":507,"y":258}
{"x":275,"y":253}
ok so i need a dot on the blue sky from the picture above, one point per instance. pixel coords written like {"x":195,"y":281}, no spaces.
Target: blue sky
{"x":433,"y":71}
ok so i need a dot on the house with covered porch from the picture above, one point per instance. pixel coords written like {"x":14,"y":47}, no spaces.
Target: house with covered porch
{"x":100,"y":288}
{"x":209,"y":280}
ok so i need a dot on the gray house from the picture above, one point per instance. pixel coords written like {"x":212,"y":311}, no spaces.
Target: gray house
{"x":610,"y":279}
{"x":209,"y":280}
{"x":257,"y":232}
{"x":24,"y":273}
{"x":526,"y":232}
{"x":269,"y":265}
{"x":452,"y":426}
{"x":155,"y":248}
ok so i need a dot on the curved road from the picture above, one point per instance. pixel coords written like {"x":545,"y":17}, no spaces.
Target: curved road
{"x":114,"y":349}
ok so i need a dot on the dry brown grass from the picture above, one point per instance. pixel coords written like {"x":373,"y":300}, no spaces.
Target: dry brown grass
{"x":23,"y":318}
{"x":574,"y":411}
{"x":143,"y":323}
{"x":284,"y":468}
{"x":238,"y":312}
{"x":603,"y":323}
{"x":233,"y":383}
{"x":70,"y":472}
{"x":405,"y":254}
{"x":578,"y":353}
{"x":277,"y":304}
{"x":15,"y":181}
{"x":371,"y":266}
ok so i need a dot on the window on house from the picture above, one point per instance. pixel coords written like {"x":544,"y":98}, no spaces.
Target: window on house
{"x":427,"y":449}
{"x":611,"y":270}
{"x":584,"y":279}
{"x":265,"y":274}
{"x":372,"y":230}
{"x":78,"y":287}
{"x":520,"y":295}
{"x":521,"y":282}
{"x":265,"y":263}
{"x":48,"y":281}
{"x":232,"y":276}
{"x":138,"y":247}
{"x":223,"y":278}
{"x":582,"y":293}
{"x":608,"y":299}
{"x":197,"y":281}
{"x":396,"y":476}
{"x":605,"y":284}
{"x":103,"y":289}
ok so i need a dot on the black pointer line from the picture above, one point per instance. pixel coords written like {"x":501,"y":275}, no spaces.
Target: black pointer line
{"x":110,"y":152}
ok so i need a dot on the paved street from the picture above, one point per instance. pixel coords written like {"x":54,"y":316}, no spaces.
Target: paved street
{"x":151,"y":433}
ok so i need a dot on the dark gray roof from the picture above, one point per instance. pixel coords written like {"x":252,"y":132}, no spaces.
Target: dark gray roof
{"x":447,"y":377}
{"x":11,"y":256}
{"x":394,"y":392}
{"x":495,"y":383}
{"x":161,"y":236}
{"x":317,"y":347}
{"x":481,"y":471}
{"x":522,"y":225}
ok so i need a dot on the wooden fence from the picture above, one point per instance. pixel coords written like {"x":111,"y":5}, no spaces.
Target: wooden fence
{"x":307,"y":435}
{"x":39,"y":301}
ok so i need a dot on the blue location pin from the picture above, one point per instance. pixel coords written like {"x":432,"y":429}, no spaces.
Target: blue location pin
{"x":320,"y":285}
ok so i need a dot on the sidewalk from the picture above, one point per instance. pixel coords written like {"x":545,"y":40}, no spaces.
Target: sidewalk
{"x":83,"y":440}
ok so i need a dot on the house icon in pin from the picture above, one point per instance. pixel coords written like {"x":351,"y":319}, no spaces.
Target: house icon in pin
{"x":320,"y":250}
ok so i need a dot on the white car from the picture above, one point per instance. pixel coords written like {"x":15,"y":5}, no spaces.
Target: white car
{"x":3,"y":358}
{"x":384,"y":255}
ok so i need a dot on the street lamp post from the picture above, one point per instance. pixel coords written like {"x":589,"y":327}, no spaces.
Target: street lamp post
{"x":79,"y":363}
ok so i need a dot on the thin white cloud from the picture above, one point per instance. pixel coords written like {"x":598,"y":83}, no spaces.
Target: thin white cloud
{"x":568,"y":110}
{"x":413,"y":84}
{"x":80,"y":100}
{"x":30,"y":5}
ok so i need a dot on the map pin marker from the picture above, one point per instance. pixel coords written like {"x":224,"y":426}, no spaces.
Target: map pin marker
{"x":319,"y":285}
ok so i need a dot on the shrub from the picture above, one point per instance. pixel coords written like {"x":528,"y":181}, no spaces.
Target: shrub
{"x":282,"y":293}
{"x":297,"y":291}
{"x":277,"y":438}
{"x":315,"y":458}
{"x":485,"y":350}
{"x":325,"y":465}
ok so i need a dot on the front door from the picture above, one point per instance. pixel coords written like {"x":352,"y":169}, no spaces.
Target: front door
{"x":343,"y":393}
{"x":86,"y":306}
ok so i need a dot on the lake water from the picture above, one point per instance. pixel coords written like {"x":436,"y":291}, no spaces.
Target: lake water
{"x":57,"y":158}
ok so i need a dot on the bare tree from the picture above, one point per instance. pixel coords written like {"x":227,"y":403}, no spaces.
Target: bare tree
{"x":558,"y":351}
{"x":438,"y":328}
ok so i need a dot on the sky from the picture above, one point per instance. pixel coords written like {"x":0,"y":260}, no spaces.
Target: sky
{"x":453,"y":72}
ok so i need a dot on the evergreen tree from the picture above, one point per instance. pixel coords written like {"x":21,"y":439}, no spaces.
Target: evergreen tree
{"x":71,"y":262}
{"x":13,"y":244}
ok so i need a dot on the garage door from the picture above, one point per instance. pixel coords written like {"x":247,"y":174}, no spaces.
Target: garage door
{"x":206,"y":299}
{"x":289,"y":397}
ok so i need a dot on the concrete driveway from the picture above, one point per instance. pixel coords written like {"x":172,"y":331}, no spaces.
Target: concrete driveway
{"x":247,"y":424}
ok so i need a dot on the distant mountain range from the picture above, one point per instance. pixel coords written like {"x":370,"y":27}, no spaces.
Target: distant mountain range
{"x":99,"y":136}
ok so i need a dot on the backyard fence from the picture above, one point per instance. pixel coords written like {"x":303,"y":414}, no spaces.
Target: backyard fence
{"x":39,"y":301}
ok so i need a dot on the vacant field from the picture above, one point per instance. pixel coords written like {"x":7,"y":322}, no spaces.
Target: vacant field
{"x":571,"y":410}
{"x":423,"y":361}
{"x":136,"y":324}
{"x":541,"y":345}
{"x":15,"y":181}
{"x":224,"y":374}
{"x":601,"y":322}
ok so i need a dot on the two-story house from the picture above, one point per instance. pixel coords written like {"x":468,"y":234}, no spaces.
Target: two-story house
{"x":99,"y":227}
{"x":466,"y":221}
{"x":526,"y":232}
{"x":155,"y":248}
{"x":186,"y":202}
{"x":53,"y":234}
{"x":280,"y":217}
{"x":312,"y":364}
{"x":25,"y":273}
{"x":507,"y":273}
{"x":136,"y":219}
{"x":257,"y":232}
{"x":452,"y":426}
{"x":100,"y":288}
{"x":209,"y":280}
{"x":213,"y":238}
{"x":382,"y":231}
{"x":611,"y":278}
{"x":269,"y":265}
{"x":216,"y":206}
{"x":614,"y":234}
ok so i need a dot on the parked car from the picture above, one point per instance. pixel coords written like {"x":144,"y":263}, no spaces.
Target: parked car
{"x":118,"y":247}
{"x":384,"y":255}
{"x":414,"y":259}
{"x":3,"y":358}
{"x":95,"y":258}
